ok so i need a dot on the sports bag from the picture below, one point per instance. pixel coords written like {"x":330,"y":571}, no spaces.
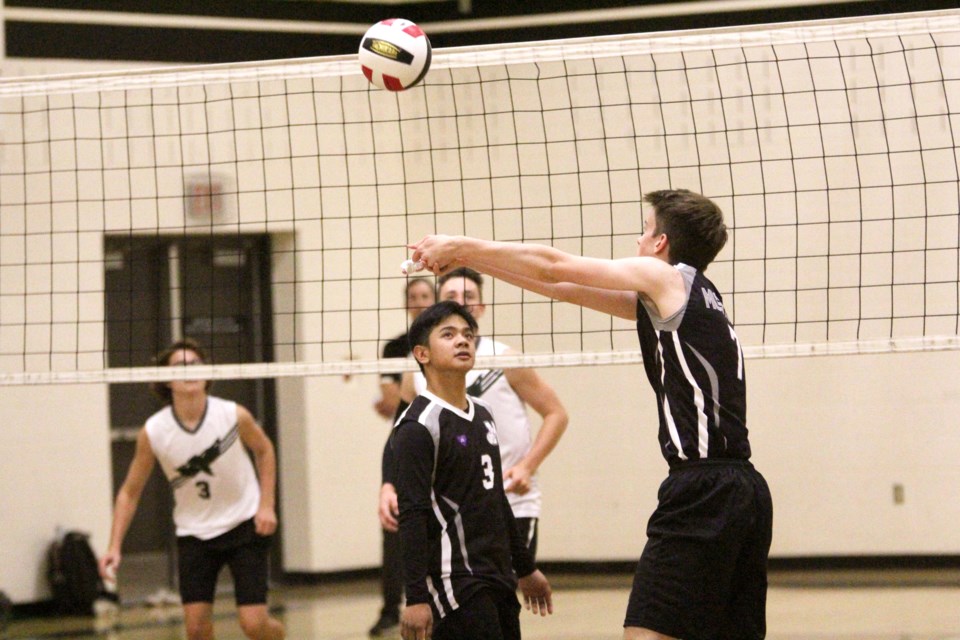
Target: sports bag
{"x":74,"y":575}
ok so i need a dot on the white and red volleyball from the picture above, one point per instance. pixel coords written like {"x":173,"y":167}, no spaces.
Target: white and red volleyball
{"x":395,"y":54}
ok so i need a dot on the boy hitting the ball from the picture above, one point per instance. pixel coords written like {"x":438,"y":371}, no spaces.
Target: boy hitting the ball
{"x":462,"y":550}
{"x":703,"y":571}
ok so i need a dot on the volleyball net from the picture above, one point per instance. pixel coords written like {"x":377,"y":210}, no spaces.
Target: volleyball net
{"x":265,"y":209}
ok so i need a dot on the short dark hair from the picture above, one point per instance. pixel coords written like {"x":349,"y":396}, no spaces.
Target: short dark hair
{"x":432,"y":316}
{"x":463,"y":272}
{"x":692,"y":223}
{"x":163,"y":360}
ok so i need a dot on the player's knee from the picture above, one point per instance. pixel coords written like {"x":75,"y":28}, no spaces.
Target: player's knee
{"x":199,"y":629}
{"x":256,"y":624}
{"x":253,"y":626}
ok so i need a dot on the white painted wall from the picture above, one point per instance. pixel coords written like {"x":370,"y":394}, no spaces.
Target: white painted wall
{"x":56,"y":473}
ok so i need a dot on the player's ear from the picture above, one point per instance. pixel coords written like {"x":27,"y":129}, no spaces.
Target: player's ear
{"x":421,"y":353}
{"x":662,"y":243}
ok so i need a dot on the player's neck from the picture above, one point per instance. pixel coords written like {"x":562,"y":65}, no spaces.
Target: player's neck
{"x":190,"y":407}
{"x":449,"y":386}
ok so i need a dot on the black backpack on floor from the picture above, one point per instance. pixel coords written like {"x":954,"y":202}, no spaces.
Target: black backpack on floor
{"x":74,"y":575}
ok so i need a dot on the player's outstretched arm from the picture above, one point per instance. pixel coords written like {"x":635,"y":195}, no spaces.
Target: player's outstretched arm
{"x":622,"y":304}
{"x":265,"y":460}
{"x":537,"y":594}
{"x":603,"y":284}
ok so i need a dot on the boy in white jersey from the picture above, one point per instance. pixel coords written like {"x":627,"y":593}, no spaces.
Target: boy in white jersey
{"x":507,"y":392}
{"x":703,"y":573}
{"x":224,"y":509}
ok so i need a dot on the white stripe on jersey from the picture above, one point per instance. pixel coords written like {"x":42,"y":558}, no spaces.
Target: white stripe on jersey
{"x":703,"y":432}
{"x":436,"y":595}
{"x":446,"y":552}
{"x":671,"y":425}
{"x":458,"y":520}
{"x":715,"y":388}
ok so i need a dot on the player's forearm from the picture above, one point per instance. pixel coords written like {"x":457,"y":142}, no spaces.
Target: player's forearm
{"x":124,"y":508}
{"x":602,"y":300}
{"x":266,"y":463}
{"x":413,"y":541}
{"x":388,"y":465}
{"x":555,"y":291}
{"x":520,"y":554}
{"x":533,"y":262}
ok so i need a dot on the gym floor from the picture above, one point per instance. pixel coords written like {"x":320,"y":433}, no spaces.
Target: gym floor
{"x":802,"y":605}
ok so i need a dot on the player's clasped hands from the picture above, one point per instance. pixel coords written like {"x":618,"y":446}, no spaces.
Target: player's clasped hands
{"x":437,"y":253}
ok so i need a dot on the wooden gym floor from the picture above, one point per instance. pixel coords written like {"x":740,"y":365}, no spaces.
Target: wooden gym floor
{"x":802,"y":605}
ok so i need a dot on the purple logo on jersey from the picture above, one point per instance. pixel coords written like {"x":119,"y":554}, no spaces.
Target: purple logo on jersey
{"x":462,"y":439}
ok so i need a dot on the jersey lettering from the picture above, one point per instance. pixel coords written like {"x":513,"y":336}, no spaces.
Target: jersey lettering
{"x":487,"y":463}
{"x":711,"y":300}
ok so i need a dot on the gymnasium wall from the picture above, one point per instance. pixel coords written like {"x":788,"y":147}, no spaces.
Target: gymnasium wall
{"x":832,"y":435}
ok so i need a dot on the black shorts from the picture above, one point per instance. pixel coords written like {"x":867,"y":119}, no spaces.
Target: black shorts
{"x":530,"y":532}
{"x":245,"y":552}
{"x":703,"y":572}
{"x":489,"y":614}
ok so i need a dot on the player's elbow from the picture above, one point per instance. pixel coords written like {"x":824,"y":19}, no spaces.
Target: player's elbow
{"x":553,"y":271}
{"x":129,"y":494}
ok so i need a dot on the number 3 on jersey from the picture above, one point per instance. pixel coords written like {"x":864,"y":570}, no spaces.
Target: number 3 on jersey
{"x":487,"y":463}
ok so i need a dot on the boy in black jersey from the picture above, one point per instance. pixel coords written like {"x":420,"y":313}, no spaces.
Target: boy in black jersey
{"x":462,"y":551}
{"x":703,"y":573}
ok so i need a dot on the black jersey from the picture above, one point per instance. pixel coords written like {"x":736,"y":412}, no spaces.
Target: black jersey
{"x":457,"y":530}
{"x":694,"y":362}
{"x":398,"y":347}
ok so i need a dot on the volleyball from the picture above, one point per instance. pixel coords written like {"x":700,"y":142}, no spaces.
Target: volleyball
{"x":395,"y":54}
{"x":409,"y":266}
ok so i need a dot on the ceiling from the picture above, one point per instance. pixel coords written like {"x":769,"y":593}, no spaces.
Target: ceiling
{"x":202,"y":31}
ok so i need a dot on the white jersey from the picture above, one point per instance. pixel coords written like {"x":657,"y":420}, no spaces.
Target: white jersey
{"x":214,"y":484}
{"x":509,"y":414}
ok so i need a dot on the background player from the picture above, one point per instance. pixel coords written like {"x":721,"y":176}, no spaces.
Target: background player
{"x":460,"y":579}
{"x":702,"y":573}
{"x":508,"y":392}
{"x":223,"y":513}
{"x":419,"y":294}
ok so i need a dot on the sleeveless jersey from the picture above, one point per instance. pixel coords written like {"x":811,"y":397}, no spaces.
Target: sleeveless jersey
{"x":214,"y":484}
{"x":510,"y":416}
{"x":694,"y":363}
